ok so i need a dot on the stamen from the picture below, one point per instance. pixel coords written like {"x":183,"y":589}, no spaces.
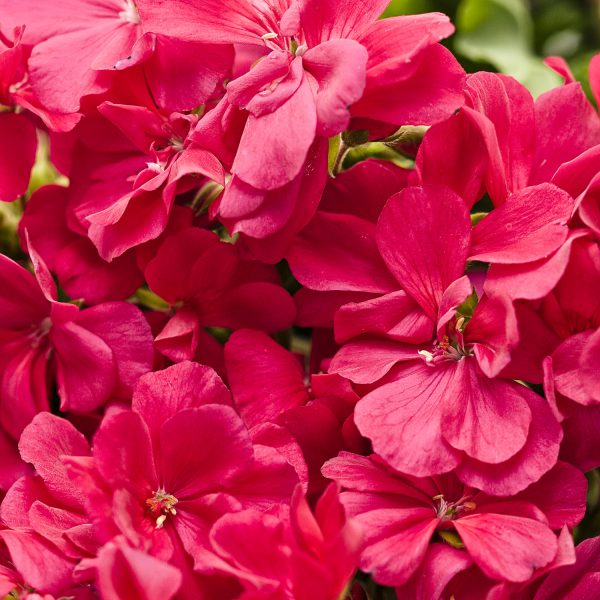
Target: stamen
{"x":428,"y":356}
{"x":163,"y":505}
{"x":269,"y":36}
{"x":161,"y":521}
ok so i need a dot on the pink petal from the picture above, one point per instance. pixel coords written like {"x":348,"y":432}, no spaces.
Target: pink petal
{"x":339,"y":252}
{"x":537,"y":457}
{"x":581,"y":430}
{"x":216,"y":21}
{"x":304,"y":193}
{"x":210,"y":440}
{"x":268,"y":84}
{"x":291,"y":131}
{"x":265,"y":379}
{"x":43,"y":442}
{"x":405,"y":420}
{"x":493,"y":331}
{"x":178,"y":80}
{"x":379,"y":179}
{"x":125,"y":330}
{"x":567,"y":362}
{"x":123,"y":453}
{"x":394,"y":315}
{"x":138,"y":217}
{"x":490,"y":418}
{"x":253,"y":545}
{"x":339,"y":67}
{"x":40,"y":564}
{"x":264,"y":306}
{"x":61,"y":67}
{"x":436,"y":165}
{"x":423,"y":235}
{"x":575,"y":581}
{"x":24,"y":384}
{"x":333,"y":20}
{"x":559,"y":65}
{"x":369,"y":360}
{"x":140,"y":124}
{"x":590,"y":365}
{"x":534,"y":280}
{"x":560,"y":494}
{"x":270,"y":482}
{"x":507,"y":128}
{"x":566,"y":110}
{"x":185,"y":249}
{"x":18,"y":145}
{"x":22,"y":303}
{"x":125,"y":572}
{"x":178,"y":340}
{"x":86,"y":372}
{"x":12,"y":467}
{"x":159,"y":396}
{"x":396,"y":542}
{"x":530,"y":225}
{"x":507,"y":547}
{"x":440,"y":565}
{"x":421,"y":101}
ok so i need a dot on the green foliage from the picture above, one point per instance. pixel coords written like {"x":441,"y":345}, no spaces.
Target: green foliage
{"x":500,"y":32}
{"x":513,"y":36}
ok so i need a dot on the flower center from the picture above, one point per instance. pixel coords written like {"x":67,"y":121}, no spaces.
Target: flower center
{"x":161,"y":505}
{"x":445,"y":350}
{"x":448,"y":511}
{"x":130,"y":14}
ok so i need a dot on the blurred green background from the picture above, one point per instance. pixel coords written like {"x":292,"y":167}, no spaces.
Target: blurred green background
{"x":513,"y":36}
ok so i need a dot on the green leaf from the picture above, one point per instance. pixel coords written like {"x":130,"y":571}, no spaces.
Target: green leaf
{"x":500,"y":32}
{"x":478,"y":216}
{"x":467,"y":308}
{"x":335,"y":144}
{"x":452,"y":538}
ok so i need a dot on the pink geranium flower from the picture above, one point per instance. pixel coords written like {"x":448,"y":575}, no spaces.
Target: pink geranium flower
{"x":92,"y":354}
{"x":322,"y":64}
{"x":123,"y":195}
{"x":80,"y":46}
{"x":300,"y":553}
{"x":406,"y":519}
{"x":269,"y":385}
{"x":164,"y":471}
{"x":444,"y":406}
{"x":223,"y":291}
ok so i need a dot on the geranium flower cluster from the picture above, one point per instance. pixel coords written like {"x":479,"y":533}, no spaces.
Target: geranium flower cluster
{"x":295,"y":308}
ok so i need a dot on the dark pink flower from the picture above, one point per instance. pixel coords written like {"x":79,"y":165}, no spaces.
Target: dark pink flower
{"x":443,"y":406}
{"x":321,"y":64}
{"x":404,"y":518}
{"x":269,"y":384}
{"x":92,"y":355}
{"x":207,"y":284}
{"x":162,"y":473}
{"x":300,"y":553}
{"x":123,"y":191}
{"x":79,"y":47}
